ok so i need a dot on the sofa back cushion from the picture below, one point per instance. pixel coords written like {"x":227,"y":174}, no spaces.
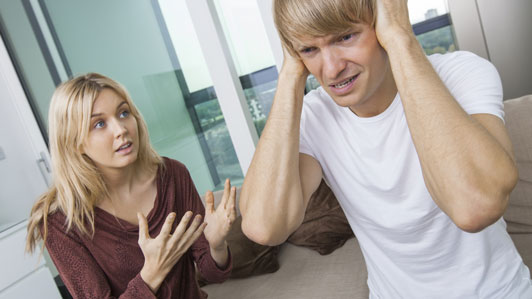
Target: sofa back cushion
{"x":325,"y":227}
{"x":518,"y":117}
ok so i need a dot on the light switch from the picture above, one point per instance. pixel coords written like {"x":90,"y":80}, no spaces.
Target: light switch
{"x":2,"y":155}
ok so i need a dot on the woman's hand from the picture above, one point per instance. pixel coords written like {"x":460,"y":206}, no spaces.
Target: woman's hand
{"x":163,"y":252}
{"x":219,"y":221}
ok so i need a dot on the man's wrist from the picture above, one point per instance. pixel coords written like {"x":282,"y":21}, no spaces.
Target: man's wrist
{"x":398,"y":39}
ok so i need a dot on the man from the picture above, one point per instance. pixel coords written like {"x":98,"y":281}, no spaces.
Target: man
{"x":414,"y":148}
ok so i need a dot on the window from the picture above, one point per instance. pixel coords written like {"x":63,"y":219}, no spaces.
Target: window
{"x":432,"y":25}
{"x":163,"y":70}
{"x":252,"y":57}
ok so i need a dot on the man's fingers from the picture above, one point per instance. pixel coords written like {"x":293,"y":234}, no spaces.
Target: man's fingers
{"x":209,"y":202}
{"x":167,"y":226}
{"x":143,"y":227}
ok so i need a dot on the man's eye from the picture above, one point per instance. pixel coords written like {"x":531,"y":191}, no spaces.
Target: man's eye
{"x":99,"y":124}
{"x":124,"y":114}
{"x":307,"y":50}
{"x":347,"y":37}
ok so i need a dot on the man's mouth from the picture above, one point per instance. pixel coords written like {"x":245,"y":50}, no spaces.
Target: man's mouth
{"x":344,"y":83}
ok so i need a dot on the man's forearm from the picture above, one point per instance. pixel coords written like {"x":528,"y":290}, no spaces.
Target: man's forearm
{"x":271,"y":200}
{"x":458,"y":156}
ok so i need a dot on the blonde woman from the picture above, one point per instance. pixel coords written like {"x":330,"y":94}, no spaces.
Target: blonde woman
{"x":106,"y":178}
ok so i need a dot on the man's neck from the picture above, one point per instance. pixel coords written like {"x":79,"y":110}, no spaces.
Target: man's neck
{"x":380,"y":100}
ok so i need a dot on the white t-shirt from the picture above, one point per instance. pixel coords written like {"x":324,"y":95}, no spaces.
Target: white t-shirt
{"x":412,"y":249}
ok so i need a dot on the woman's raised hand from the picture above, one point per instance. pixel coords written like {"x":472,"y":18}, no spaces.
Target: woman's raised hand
{"x":219,"y":220}
{"x":163,"y":252}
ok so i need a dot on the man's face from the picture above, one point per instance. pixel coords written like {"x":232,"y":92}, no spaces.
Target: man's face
{"x":352,"y":67}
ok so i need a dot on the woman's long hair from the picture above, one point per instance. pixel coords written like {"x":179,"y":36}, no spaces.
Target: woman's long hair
{"x":77,"y":183}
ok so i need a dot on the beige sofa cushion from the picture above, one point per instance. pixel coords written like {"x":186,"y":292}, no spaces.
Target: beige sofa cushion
{"x":304,"y":274}
{"x":518,"y":117}
{"x":249,"y":258}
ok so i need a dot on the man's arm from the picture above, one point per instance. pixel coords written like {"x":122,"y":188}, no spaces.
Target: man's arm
{"x":467,"y":161}
{"x":280,"y":180}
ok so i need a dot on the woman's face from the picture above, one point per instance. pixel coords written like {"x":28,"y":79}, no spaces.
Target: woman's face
{"x":112,"y":142}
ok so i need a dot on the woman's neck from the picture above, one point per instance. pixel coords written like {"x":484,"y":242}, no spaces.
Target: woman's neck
{"x":121,"y":183}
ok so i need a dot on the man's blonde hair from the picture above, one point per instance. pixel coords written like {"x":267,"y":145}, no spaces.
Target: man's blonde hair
{"x":296,"y":19}
{"x":77,"y":183}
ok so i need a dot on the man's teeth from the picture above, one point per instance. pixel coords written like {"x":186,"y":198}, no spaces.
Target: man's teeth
{"x":344,"y":84}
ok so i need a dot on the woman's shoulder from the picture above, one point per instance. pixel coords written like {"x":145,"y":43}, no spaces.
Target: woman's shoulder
{"x":173,"y":164}
{"x":57,"y":226}
{"x":174,"y":169}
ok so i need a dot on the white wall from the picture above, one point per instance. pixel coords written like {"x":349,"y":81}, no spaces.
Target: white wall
{"x":500,"y":31}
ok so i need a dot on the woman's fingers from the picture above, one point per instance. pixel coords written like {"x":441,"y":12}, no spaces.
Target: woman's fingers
{"x":182,"y":226}
{"x":232,"y":207}
{"x":225,"y":197}
{"x":191,"y":229}
{"x":209,"y":202}
{"x":232,"y":198}
{"x":143,"y":227}
{"x":167,"y":226}
{"x":196,"y":234}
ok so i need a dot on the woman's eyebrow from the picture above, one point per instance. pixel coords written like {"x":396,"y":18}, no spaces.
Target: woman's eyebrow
{"x":117,"y":107}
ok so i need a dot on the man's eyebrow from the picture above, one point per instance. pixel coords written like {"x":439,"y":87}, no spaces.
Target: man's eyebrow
{"x":118,"y":107}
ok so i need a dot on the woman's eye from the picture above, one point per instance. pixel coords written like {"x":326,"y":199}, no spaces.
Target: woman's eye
{"x":99,"y":124}
{"x":124,"y":114}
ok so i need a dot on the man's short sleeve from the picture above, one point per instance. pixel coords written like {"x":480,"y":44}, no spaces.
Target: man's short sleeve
{"x":473,"y":81}
{"x":305,"y":146}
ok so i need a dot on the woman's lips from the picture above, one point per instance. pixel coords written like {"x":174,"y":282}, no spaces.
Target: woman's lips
{"x":126,"y":149}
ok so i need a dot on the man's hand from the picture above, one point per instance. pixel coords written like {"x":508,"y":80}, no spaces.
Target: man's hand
{"x":392,"y":21}
{"x":293,"y":65}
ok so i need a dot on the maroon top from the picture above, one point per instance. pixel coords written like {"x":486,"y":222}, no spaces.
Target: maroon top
{"x":109,"y":265}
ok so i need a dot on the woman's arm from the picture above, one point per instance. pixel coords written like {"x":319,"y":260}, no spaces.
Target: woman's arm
{"x":213,"y":258}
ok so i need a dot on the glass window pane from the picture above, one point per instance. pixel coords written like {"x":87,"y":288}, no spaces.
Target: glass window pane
{"x":24,"y":47}
{"x":421,"y":10}
{"x":169,"y":84}
{"x":245,"y":34}
{"x":438,"y":41}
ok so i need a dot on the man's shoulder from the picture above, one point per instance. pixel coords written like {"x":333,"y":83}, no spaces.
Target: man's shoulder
{"x":456,"y":60}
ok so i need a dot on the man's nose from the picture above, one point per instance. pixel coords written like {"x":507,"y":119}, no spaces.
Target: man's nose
{"x":333,"y":64}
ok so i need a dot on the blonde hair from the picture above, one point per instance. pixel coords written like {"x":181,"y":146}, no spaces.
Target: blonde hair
{"x":296,"y":19}
{"x":77,"y":183}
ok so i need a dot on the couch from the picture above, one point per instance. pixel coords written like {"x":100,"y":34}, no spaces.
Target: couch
{"x":304,"y":273}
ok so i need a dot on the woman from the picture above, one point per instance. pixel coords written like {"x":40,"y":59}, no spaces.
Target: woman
{"x":106,"y":178}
